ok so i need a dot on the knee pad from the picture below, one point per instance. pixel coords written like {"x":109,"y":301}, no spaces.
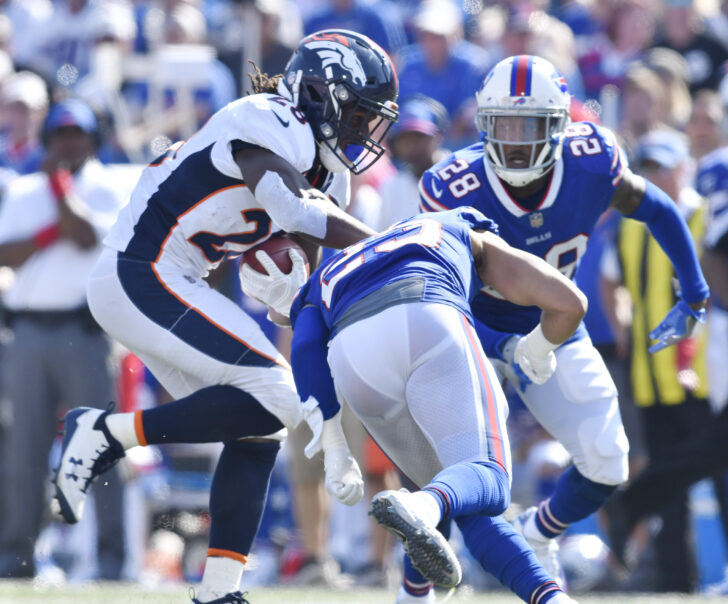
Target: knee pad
{"x":604,"y":448}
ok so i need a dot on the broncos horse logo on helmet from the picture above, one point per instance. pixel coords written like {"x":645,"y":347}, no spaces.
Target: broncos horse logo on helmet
{"x":346,"y":86}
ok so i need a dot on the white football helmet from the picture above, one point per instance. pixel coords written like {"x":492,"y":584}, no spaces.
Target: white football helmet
{"x":523,"y":102}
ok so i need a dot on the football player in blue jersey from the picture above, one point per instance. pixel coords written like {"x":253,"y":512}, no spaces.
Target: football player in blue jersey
{"x":386,"y":327}
{"x":545,"y":182}
{"x":270,"y":162}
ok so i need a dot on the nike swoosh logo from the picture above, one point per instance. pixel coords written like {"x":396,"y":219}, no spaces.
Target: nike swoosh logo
{"x":280,"y":119}
{"x":435,"y":190}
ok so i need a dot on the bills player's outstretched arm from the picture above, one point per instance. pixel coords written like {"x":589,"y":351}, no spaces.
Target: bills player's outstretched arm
{"x":546,"y":182}
{"x":639,"y":199}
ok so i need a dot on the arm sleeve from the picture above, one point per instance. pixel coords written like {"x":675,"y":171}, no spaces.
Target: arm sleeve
{"x":662,"y":217}
{"x":308,"y":359}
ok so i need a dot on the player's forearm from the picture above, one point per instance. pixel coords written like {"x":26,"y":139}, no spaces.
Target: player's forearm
{"x":670,"y":230}
{"x":342,"y":230}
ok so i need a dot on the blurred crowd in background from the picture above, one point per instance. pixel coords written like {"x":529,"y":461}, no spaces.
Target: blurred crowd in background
{"x":153,"y":71}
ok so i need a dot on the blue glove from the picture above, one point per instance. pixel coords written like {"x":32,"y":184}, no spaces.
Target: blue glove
{"x":677,"y":325}
{"x":505,"y":351}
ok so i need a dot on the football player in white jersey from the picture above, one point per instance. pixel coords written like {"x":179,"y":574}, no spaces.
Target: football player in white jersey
{"x":278,"y":160}
{"x":545,"y":182}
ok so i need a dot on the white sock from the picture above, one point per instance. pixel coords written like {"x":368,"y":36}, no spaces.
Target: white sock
{"x":222,"y":576}
{"x":121,"y":427}
{"x":531,"y":532}
{"x":428,"y":506}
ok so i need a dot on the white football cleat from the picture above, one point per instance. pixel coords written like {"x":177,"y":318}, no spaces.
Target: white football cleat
{"x":428,"y":549}
{"x":546,"y":550}
{"x":88,"y":450}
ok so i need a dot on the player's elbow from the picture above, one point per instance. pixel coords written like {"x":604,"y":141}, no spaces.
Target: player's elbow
{"x":576,"y":303}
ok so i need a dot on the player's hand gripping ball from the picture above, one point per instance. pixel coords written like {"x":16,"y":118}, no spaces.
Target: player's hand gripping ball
{"x":273,"y":272}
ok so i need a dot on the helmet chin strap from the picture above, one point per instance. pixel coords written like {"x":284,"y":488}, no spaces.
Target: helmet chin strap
{"x":330,"y":159}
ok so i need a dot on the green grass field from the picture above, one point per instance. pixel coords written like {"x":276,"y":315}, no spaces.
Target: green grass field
{"x":23,"y":592}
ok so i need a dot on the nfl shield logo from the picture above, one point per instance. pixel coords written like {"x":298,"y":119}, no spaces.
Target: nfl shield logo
{"x":536,"y":220}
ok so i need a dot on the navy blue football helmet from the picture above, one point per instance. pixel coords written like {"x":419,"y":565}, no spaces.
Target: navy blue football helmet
{"x":346,"y":86}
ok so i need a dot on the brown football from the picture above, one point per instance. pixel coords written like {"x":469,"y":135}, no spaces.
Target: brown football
{"x":277,"y":248}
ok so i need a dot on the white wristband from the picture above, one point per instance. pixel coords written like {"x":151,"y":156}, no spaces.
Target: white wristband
{"x":305,"y":214}
{"x":332,"y":435}
{"x":537,"y":343}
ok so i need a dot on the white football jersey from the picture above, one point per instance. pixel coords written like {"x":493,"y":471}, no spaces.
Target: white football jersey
{"x":191,"y":207}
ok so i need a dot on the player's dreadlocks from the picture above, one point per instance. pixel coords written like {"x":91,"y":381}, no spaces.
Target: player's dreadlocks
{"x":262,"y":82}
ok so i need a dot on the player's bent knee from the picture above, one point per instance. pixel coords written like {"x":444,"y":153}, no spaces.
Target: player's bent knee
{"x":604,"y":452}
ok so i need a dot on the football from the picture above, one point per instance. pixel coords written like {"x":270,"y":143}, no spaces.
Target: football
{"x":277,"y":248}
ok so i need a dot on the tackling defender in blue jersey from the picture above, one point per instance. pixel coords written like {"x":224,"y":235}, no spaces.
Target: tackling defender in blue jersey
{"x":389,"y":320}
{"x":546,"y":182}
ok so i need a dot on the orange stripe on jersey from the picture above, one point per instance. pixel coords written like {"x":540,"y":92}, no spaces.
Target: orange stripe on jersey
{"x":187,"y":211}
{"x":226,"y":553}
{"x":139,"y":428}
{"x":498,"y":451}
{"x":209,"y":320}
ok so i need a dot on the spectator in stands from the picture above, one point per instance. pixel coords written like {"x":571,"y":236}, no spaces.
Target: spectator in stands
{"x":684,"y":31}
{"x":415,"y":142}
{"x":643,"y":104}
{"x":704,"y":126}
{"x":378,"y":20}
{"x":67,"y":40}
{"x":51,"y":226}
{"x":444,"y":66}
{"x":27,"y":20}
{"x":24,"y":105}
{"x":628,"y":33}
{"x":674,"y":73}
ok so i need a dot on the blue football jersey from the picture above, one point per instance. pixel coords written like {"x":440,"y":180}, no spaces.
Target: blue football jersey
{"x":434,"y":249}
{"x":557,"y":229}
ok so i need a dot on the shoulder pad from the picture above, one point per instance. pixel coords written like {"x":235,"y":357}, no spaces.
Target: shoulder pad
{"x":448,"y":183}
{"x":596,"y":150}
{"x":275,"y":123}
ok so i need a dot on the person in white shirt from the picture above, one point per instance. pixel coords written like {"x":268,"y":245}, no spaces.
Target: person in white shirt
{"x":51,"y":226}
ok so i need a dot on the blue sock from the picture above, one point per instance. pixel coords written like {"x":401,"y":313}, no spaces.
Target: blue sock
{"x":212,"y":414}
{"x":574,"y":498}
{"x":504,"y":553}
{"x":471,"y":487}
{"x":414,"y":583}
{"x":238,"y":493}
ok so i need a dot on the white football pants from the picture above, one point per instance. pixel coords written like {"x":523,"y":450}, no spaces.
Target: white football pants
{"x":417,"y":378}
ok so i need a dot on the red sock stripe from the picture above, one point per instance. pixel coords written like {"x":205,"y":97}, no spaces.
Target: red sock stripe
{"x":417,"y":589}
{"x":546,"y":518}
{"x":542,"y":590}
{"x":443,"y":497}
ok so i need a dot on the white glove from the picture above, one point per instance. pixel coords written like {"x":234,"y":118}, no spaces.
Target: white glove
{"x":534,"y":354}
{"x":315,"y":420}
{"x":276,"y":289}
{"x":343,"y":476}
